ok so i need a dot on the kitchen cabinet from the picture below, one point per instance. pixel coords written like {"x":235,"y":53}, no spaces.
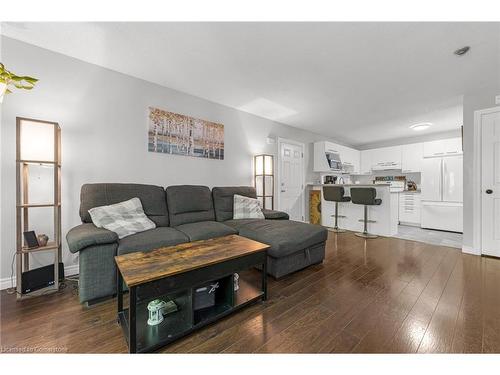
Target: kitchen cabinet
{"x":350,"y":159}
{"x":409,"y":208}
{"x":412,"y":157}
{"x":320,"y":155}
{"x":443,"y":147}
{"x":381,"y":159}
{"x":366,"y":161}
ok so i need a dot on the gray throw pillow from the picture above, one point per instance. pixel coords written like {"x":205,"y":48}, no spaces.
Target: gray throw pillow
{"x":124,"y":218}
{"x":246,"y":208}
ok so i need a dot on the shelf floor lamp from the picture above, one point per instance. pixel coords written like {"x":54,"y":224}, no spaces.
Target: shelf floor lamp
{"x":38,"y":146}
{"x":264,"y":179}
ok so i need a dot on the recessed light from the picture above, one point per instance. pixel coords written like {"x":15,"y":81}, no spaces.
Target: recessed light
{"x":462,"y":51}
{"x":421,"y":126}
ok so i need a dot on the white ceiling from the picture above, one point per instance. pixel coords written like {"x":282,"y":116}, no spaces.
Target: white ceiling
{"x":360,"y":83}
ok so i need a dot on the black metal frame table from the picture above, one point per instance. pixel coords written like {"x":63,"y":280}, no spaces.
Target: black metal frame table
{"x":180,"y":286}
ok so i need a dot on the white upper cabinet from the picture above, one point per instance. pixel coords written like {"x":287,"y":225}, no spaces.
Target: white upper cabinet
{"x":412,"y":157}
{"x":366,"y":161}
{"x":443,"y":147}
{"x":349,"y":157}
{"x":385,"y":158}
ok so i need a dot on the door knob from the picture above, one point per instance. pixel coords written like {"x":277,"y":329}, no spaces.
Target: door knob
{"x":489,"y":191}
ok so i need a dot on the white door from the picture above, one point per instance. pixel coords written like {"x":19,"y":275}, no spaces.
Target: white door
{"x":453,"y":172}
{"x":431,"y":179}
{"x":490,"y":183}
{"x":291,"y":171}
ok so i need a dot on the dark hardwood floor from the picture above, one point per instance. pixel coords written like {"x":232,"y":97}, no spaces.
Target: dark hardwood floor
{"x":381,"y":296}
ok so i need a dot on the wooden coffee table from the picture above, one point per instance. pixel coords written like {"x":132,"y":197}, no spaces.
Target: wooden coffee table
{"x":175,"y":273}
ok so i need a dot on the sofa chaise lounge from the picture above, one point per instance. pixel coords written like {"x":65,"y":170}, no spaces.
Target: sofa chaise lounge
{"x":182,"y":214}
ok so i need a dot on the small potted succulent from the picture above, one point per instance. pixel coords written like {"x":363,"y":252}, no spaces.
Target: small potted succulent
{"x":10,"y":81}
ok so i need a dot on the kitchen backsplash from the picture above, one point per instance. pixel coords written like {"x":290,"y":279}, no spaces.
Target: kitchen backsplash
{"x":368,"y":179}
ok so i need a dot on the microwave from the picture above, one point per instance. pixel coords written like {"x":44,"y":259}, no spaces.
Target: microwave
{"x":334,"y":161}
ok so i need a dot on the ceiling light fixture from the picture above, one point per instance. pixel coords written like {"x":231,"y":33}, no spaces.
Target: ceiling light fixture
{"x":462,"y":51}
{"x":421,"y":126}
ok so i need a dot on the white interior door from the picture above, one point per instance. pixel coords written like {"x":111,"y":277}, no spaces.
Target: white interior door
{"x":432,"y":179}
{"x":490,"y":183}
{"x":291,"y":189}
{"x":453,"y":185}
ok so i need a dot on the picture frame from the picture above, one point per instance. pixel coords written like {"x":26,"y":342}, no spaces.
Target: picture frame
{"x":30,"y":239}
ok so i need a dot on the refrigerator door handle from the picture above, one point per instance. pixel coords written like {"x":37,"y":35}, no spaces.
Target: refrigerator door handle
{"x":444,"y":179}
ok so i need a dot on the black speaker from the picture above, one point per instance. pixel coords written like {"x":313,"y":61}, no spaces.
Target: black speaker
{"x":39,"y":278}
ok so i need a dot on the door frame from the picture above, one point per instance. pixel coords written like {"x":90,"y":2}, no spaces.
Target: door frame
{"x":477,"y":247}
{"x":278,"y":169}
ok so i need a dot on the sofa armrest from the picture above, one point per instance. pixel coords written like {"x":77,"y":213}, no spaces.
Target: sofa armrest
{"x":275,"y":215}
{"x":86,"y":235}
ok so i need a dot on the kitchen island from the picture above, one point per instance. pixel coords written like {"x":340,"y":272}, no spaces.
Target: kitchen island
{"x":385,"y":215}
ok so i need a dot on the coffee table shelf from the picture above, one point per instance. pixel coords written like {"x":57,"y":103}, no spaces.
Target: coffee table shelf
{"x":246,"y":293}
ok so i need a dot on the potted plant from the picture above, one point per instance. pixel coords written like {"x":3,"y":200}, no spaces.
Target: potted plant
{"x":9,"y":81}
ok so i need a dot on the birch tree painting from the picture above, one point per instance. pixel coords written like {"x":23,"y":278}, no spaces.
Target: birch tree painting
{"x":172,"y":133}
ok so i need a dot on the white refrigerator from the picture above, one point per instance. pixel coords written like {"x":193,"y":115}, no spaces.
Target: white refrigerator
{"x":442,"y":193}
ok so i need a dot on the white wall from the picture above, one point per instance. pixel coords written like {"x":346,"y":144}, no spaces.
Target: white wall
{"x":103,"y":117}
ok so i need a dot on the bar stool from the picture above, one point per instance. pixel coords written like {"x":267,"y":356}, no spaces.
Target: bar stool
{"x":366,"y":197}
{"x":335,"y":194}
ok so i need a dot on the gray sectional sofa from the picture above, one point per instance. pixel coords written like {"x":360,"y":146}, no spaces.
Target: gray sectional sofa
{"x":182,"y":214}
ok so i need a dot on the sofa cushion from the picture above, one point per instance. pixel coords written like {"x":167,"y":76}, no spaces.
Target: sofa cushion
{"x":246,"y":208}
{"x":189,"y":204}
{"x":124,"y":218}
{"x":204,"y":230}
{"x":284,"y":236}
{"x":151,"y":239}
{"x":223,"y":198}
{"x":275,"y":215}
{"x":238,"y":223}
{"x":152,"y":199}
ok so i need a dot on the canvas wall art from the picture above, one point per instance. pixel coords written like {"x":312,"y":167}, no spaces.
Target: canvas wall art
{"x":172,"y":133}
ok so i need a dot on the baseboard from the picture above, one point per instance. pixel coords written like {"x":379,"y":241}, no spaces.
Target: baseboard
{"x":470,"y":250}
{"x":68,"y":271}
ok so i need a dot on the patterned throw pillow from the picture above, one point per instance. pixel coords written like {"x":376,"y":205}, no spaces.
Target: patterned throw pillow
{"x":246,"y":208}
{"x":124,"y":218}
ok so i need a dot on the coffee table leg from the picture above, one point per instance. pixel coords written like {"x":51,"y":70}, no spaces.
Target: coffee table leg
{"x":132,"y":337}
{"x":264,"y":280}
{"x":119,"y":292}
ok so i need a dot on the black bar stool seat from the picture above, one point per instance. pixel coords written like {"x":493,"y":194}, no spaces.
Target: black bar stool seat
{"x":335,"y":194}
{"x":366,"y":197}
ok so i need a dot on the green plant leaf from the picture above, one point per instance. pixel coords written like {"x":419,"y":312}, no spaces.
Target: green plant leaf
{"x":30,"y":79}
{"x":13,"y":80}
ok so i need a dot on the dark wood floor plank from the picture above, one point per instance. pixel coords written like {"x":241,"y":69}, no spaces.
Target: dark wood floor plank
{"x":468,"y":335}
{"x":343,"y":305}
{"x":427,"y":291}
{"x":375,"y":324}
{"x":438,"y":337}
{"x":384,"y":295}
{"x":491,"y":292}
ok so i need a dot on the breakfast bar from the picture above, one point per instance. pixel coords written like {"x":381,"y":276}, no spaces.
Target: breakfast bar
{"x":383,"y":219}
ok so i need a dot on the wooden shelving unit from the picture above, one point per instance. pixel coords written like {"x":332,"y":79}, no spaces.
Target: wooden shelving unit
{"x":264,"y":177}
{"x":23,"y":205}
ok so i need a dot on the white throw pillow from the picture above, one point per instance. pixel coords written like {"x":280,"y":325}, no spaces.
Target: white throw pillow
{"x":246,"y":208}
{"x":124,"y":218}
